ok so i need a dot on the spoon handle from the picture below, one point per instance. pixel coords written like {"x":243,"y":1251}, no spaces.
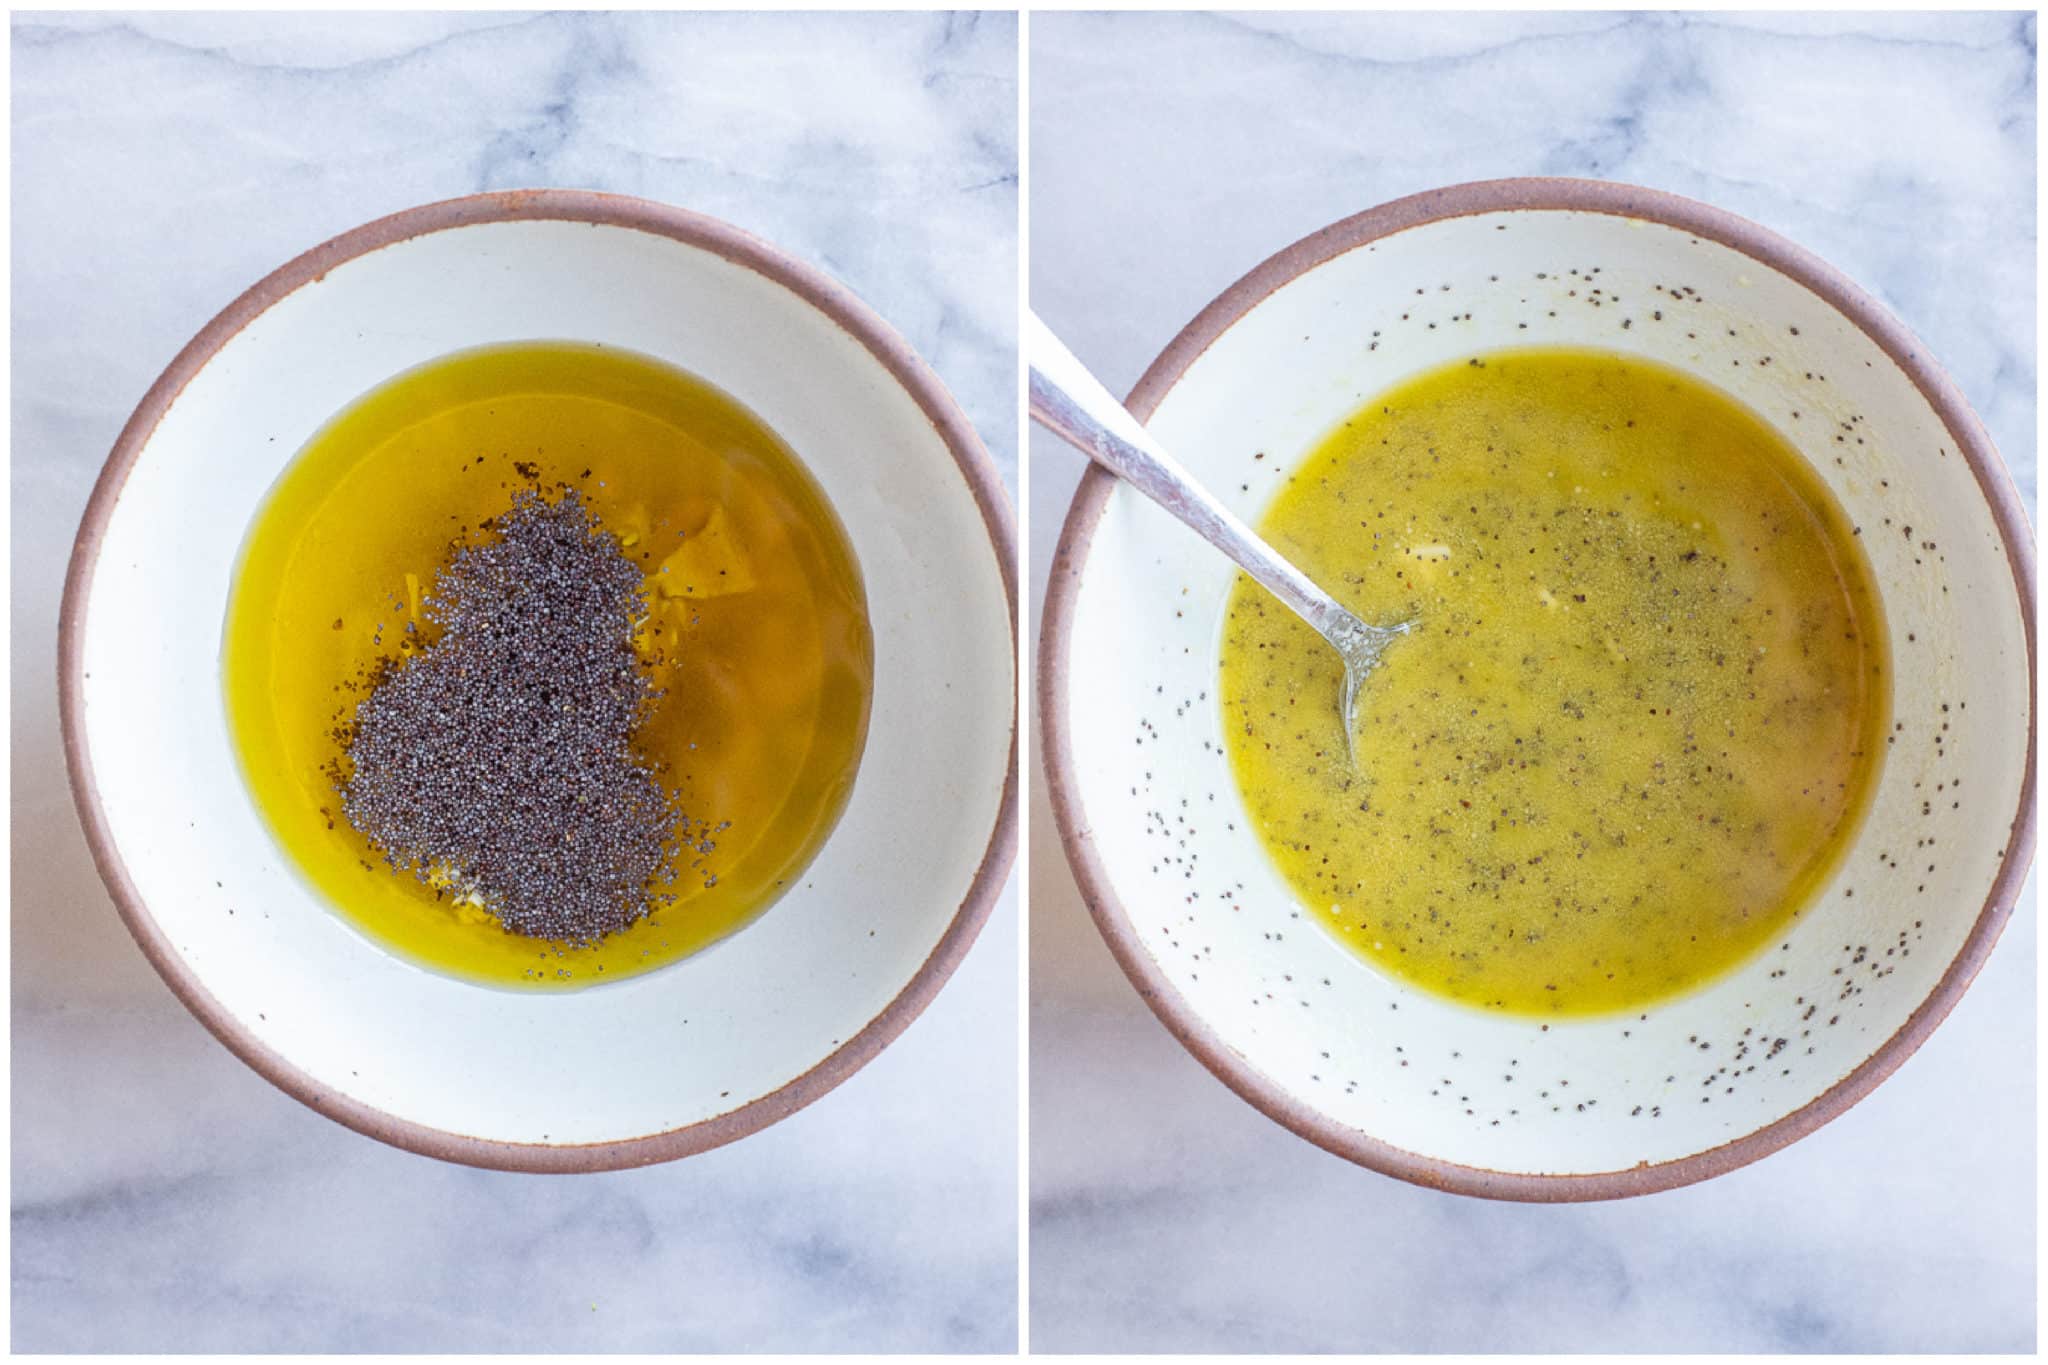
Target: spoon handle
{"x":1071,"y":403}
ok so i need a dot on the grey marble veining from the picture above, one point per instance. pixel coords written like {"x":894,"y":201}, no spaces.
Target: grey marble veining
{"x":1170,"y":154}
{"x":165,"y":1197}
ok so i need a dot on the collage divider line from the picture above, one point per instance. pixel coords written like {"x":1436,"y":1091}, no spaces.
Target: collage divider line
{"x":1026,"y":749}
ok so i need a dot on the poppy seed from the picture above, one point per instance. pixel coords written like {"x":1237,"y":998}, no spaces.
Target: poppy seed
{"x":497,"y":758}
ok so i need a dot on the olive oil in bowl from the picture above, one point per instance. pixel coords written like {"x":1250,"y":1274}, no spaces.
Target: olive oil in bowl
{"x":755,"y":632}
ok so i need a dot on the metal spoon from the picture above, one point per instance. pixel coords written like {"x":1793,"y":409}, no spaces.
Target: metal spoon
{"x":1072,"y":404}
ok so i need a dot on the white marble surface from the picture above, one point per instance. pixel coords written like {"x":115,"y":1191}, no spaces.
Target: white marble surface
{"x":1170,"y":153}
{"x":164,"y":1197}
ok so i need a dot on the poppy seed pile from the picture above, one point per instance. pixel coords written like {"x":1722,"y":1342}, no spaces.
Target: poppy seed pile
{"x":496,"y":760}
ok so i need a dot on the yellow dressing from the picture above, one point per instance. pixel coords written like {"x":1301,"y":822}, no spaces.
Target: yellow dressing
{"x":756,"y":613}
{"x":1639,"y":715}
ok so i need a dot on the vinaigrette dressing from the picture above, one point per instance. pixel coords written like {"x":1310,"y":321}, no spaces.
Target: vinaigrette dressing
{"x":1639,"y":716}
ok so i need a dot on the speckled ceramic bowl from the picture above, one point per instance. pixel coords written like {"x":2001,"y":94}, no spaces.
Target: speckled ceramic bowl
{"x":1399,"y":1080}
{"x":635,"y":1071}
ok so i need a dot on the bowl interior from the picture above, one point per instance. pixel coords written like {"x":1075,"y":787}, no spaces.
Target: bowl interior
{"x":1369,"y":1063}
{"x":624,"y":1060}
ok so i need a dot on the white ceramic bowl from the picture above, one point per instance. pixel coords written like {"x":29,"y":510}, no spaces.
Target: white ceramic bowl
{"x":1400,"y":1080}
{"x":642,"y":1070}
